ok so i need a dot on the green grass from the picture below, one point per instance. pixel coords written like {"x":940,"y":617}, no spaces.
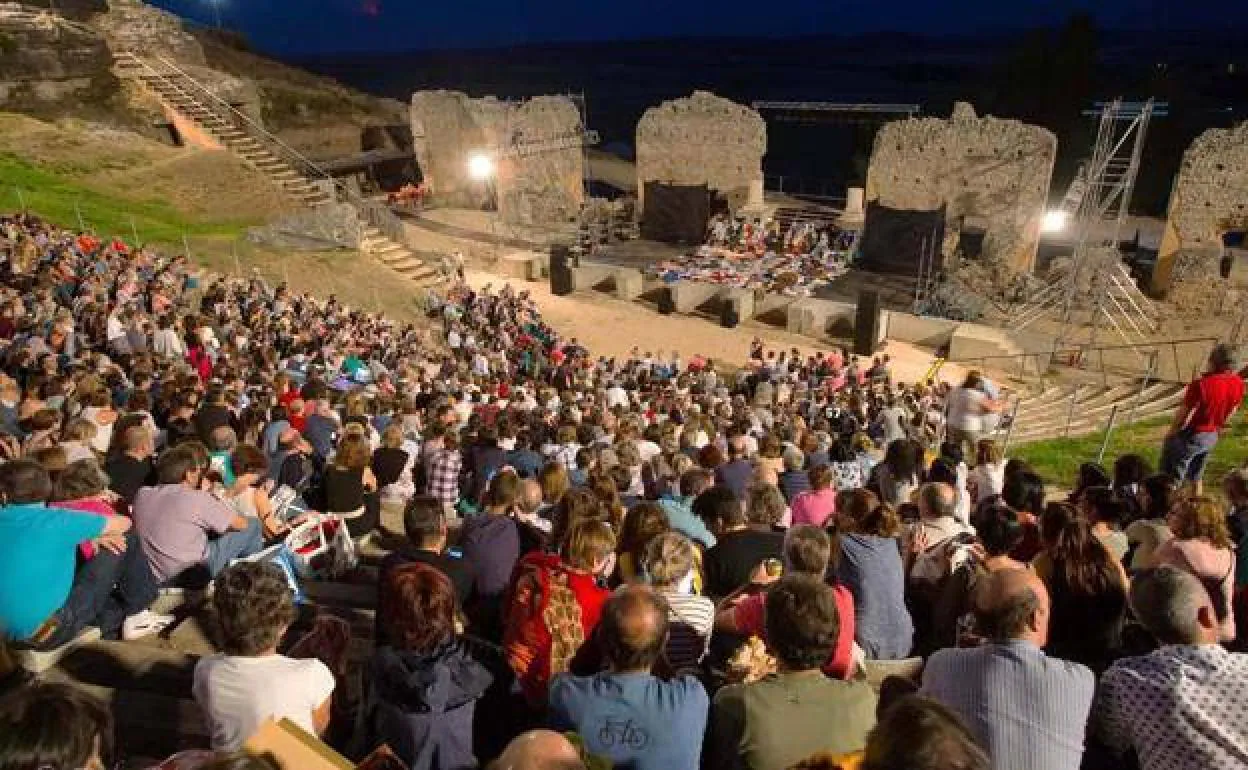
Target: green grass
{"x":1057,"y":460}
{"x":63,"y":200}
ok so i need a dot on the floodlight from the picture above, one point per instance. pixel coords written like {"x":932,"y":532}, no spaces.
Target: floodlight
{"x":1054,"y":221}
{"x":480,"y":166}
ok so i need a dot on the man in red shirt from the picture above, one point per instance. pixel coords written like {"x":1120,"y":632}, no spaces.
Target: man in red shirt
{"x":1207,"y":406}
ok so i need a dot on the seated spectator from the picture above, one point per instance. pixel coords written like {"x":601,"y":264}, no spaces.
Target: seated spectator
{"x":555,"y":604}
{"x":679,"y":508}
{"x":1202,"y":546}
{"x":920,"y":734}
{"x":897,"y":476}
{"x":1104,"y":511}
{"x":786,"y":717}
{"x":46,"y":602}
{"x":817,"y":505}
{"x":247,"y":495}
{"x":425,"y":525}
{"x":132,"y":467}
{"x":737,"y":471}
{"x":625,"y":713}
{"x":793,"y":479}
{"x":739,"y":547}
{"x":1145,"y":534}
{"x":870,"y":567}
{"x":249,"y":682}
{"x":424,"y":683}
{"x":392,"y":466}
{"x":807,"y":551}
{"x":987,"y":478}
{"x":1024,"y":491}
{"x":182,"y":526}
{"x":222,"y":442}
{"x":1088,"y":589}
{"x":490,"y":540}
{"x":1181,"y":705}
{"x":644,"y":522}
{"x":936,"y":529}
{"x":54,"y":726}
{"x":1024,"y":708}
{"x":533,"y":528}
{"x":539,"y":750}
{"x":669,"y":563}
{"x":351,"y":487}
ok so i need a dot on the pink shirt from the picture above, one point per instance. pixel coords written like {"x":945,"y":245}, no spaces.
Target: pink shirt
{"x":1215,"y":567}
{"x":749,"y":617}
{"x":86,"y":505}
{"x":814,"y":507}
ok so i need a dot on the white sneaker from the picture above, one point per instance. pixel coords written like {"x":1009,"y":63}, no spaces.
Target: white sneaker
{"x":144,"y":624}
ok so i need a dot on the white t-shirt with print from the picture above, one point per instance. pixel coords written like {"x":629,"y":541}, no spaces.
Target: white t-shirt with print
{"x":238,"y":694}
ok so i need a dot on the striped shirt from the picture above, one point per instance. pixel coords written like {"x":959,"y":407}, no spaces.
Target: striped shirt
{"x":1029,"y":711}
{"x":690,"y":619}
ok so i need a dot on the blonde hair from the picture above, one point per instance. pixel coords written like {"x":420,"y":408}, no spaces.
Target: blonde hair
{"x":589,"y":542}
{"x":353,"y":451}
{"x":1200,"y":517}
{"x":667,"y":558}
{"x":392,"y":436}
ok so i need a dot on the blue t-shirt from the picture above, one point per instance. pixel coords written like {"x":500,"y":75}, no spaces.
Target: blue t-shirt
{"x":638,"y":721}
{"x":37,"y":557}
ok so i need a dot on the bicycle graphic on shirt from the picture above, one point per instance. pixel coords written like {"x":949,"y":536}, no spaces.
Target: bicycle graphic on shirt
{"x":622,"y":732}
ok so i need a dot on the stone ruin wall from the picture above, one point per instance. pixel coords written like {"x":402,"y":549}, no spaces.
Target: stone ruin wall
{"x":987,"y":170}
{"x":543,"y":184}
{"x":49,"y":63}
{"x":702,"y":139}
{"x":1210,"y":198}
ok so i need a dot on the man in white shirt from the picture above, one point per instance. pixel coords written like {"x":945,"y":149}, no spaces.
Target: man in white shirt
{"x":966,"y":409}
{"x":250,"y":683}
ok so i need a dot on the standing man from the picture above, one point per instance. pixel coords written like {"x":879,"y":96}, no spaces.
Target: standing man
{"x":1208,"y":405}
{"x":626,"y":713}
{"x":1027,"y":710}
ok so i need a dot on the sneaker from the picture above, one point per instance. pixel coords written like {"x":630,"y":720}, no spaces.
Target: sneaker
{"x":144,"y":624}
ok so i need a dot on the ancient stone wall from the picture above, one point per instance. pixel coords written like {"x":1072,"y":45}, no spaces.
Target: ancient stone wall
{"x":990,"y":171}
{"x":535,"y":146}
{"x":46,"y":60}
{"x":702,"y":139}
{"x":136,"y":26}
{"x":1210,"y":198}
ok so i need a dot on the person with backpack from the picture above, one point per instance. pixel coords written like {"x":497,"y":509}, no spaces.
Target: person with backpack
{"x":554,"y":606}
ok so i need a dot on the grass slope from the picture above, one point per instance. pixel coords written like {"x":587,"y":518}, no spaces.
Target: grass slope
{"x":61,"y":200}
{"x":1057,"y":460}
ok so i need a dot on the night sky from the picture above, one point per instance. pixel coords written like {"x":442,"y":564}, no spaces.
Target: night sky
{"x":332,"y":26}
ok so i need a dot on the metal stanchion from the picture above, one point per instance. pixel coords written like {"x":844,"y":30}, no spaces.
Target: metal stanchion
{"x":1009,"y":429}
{"x":1070,"y":413}
{"x":1109,"y":429}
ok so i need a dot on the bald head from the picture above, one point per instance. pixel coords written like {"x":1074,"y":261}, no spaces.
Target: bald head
{"x":936,"y":500}
{"x":634,"y":628}
{"x":1012,"y":604}
{"x":530,"y":496}
{"x":539,"y":750}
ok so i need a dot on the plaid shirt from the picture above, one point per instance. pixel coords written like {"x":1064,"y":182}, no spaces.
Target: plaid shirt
{"x":443,"y":476}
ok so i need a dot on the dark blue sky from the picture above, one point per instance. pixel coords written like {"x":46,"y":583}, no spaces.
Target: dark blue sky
{"x":328,"y":26}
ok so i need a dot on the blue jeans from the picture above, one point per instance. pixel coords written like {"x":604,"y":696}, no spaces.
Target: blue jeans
{"x":107,"y":588}
{"x":1183,"y":455}
{"x":233,"y":545}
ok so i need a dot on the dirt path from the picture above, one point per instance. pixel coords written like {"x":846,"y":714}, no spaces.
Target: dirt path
{"x":612,"y":327}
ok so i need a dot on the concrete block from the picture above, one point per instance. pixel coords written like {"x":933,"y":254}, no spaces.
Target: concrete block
{"x":926,"y":332}
{"x":688,"y":295}
{"x":587,"y":277}
{"x":629,"y":284}
{"x":743,"y":301}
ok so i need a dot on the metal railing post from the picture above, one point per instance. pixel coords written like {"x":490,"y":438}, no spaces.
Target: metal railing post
{"x":1104,"y":374}
{"x":1178,"y":368}
{"x":134,"y":232}
{"x":1109,"y":429}
{"x":82,"y":224}
{"x":21,"y":199}
{"x":1070,"y":412}
{"x":1139,"y":397}
{"x":1009,"y":429}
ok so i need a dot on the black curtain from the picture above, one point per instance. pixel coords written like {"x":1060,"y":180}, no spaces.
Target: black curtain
{"x":676,"y":213}
{"x":896,"y":241}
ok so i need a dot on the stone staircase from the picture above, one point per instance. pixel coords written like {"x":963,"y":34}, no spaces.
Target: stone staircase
{"x":297,"y":176}
{"x":1087,"y":408}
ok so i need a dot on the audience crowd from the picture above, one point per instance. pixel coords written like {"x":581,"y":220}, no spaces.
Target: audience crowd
{"x":644,"y":563}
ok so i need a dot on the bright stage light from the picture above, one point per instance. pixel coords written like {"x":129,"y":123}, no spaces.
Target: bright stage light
{"x":1054,"y":221}
{"x":480,"y":167}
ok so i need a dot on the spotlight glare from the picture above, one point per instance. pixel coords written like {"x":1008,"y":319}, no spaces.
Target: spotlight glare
{"x":1054,"y":221}
{"x":480,"y":166}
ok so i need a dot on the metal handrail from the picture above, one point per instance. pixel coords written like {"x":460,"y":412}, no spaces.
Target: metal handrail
{"x":254,"y":127}
{"x":375,"y":214}
{"x":1151,"y":348}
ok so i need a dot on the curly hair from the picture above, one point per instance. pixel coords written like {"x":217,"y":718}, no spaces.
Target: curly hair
{"x":668,"y":557}
{"x":1200,"y":517}
{"x":354,"y":451}
{"x":764,"y":505}
{"x":254,"y":606}
{"x":418,"y":605}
